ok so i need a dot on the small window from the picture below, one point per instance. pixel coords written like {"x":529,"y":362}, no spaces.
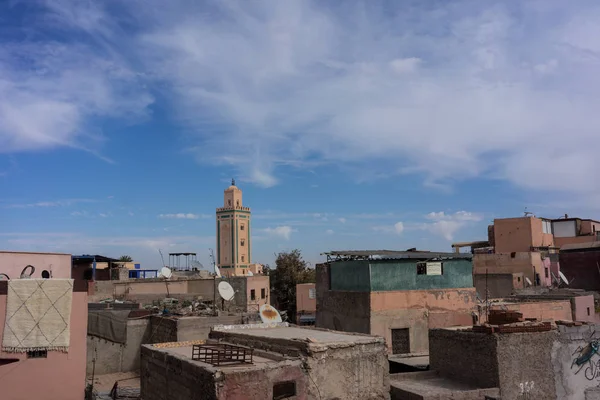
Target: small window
{"x":44,"y":353}
{"x":284,"y":390}
{"x":243,"y":258}
{"x":546,"y":272}
{"x":311,"y":293}
{"x":252,"y":294}
{"x":243,"y":242}
{"x":421,"y":268}
{"x":229,"y":202}
{"x":518,"y":279}
{"x":242,"y":227}
{"x":263,"y":293}
{"x":588,"y":310}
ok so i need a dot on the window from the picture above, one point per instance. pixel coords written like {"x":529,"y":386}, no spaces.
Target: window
{"x":237,"y":203}
{"x":243,"y":258}
{"x":229,"y":203}
{"x":44,"y":353}
{"x":243,"y":242}
{"x":546,"y":272}
{"x":430,"y":268}
{"x":242,"y":227}
{"x":252,"y":294}
{"x":588,"y":310}
{"x":311,"y":293}
{"x":518,"y":279}
{"x":546,"y":226}
{"x":400,"y":341}
{"x":421,"y":269}
{"x":284,"y":390}
{"x":263,"y":293}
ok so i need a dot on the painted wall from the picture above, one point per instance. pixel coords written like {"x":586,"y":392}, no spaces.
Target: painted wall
{"x":585,"y":309}
{"x":520,"y":234}
{"x":13,"y":262}
{"x":61,"y":375}
{"x":304,"y":303}
{"x":258,"y":284}
{"x":394,"y":275}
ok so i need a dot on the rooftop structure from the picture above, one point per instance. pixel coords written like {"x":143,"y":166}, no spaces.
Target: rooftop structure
{"x":285,"y":362}
{"x":347,"y":255}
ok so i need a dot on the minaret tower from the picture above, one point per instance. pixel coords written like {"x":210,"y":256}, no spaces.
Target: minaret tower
{"x":233,"y":234}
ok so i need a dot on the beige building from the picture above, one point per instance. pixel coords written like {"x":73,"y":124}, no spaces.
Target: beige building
{"x":234,"y":249}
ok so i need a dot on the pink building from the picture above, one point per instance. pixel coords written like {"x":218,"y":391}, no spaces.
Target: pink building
{"x":43,"y":374}
{"x":306,"y":303}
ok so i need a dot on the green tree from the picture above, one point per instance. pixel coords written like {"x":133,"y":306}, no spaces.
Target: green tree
{"x":126,"y":259}
{"x":290,"y":270}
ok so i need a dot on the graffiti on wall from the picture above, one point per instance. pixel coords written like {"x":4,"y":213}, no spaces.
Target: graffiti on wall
{"x":583,"y":359}
{"x":526,"y":390}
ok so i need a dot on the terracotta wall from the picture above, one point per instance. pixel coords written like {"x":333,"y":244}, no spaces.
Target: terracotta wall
{"x":303,"y":301}
{"x":508,"y":263}
{"x":257,"y":283}
{"x":561,"y":241}
{"x":585,"y":309}
{"x":61,"y":376}
{"x":543,"y":310}
{"x":419,"y":311}
{"x":13,"y":262}
{"x":520,"y":234}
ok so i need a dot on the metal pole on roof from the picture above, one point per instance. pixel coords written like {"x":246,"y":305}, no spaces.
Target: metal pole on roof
{"x":94,"y":269}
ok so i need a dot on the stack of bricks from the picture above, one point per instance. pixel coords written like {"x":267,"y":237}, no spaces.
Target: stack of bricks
{"x":501,"y":317}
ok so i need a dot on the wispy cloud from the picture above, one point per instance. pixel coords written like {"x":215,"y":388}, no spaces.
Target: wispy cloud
{"x":284,"y":231}
{"x":447,"y":91}
{"x":55,"y":203}
{"x":446,"y":225}
{"x":183,"y":216}
{"x":397,"y":228}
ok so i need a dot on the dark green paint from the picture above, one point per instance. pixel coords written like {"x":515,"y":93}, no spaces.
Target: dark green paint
{"x":350,"y":275}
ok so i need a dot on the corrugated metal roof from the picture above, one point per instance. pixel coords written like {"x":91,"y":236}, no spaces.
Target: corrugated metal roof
{"x":397,"y":254}
{"x":578,"y":246}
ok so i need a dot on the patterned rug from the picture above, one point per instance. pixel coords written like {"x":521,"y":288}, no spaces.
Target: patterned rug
{"x":38,"y":313}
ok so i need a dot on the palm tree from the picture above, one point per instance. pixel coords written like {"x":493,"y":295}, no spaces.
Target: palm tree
{"x":126,"y":259}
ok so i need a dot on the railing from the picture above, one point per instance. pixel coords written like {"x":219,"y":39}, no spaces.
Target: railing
{"x":222,"y":354}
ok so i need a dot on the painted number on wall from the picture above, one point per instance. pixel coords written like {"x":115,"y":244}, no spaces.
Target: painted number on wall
{"x":526,"y":389}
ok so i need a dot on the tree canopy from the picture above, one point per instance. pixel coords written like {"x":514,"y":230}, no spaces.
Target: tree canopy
{"x":290,"y":270}
{"x":126,"y":258}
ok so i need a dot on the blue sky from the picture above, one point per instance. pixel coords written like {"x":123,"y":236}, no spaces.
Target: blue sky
{"x":375,"y":124}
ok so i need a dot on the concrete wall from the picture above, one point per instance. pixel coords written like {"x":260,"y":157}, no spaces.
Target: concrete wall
{"x":581,"y":269}
{"x":116,"y":357}
{"x":13,"y":262}
{"x":498,"y":285}
{"x":464,"y":356}
{"x":344,"y":311}
{"x":60,"y":375}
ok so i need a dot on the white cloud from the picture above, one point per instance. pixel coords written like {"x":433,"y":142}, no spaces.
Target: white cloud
{"x":284,"y":231}
{"x":182,"y":216}
{"x":446,"y":225}
{"x":301,"y":84}
{"x":329,"y":231}
{"x":342,"y":220}
{"x":397,"y":228}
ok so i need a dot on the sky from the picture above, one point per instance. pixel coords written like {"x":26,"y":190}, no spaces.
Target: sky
{"x":348,"y":125}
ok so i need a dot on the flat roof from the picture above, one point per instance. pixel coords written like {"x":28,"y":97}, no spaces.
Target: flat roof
{"x":296,"y":333}
{"x":397,"y":254}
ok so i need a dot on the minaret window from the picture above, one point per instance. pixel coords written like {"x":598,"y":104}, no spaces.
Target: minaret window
{"x":243,"y":258}
{"x":242,"y":227}
{"x":243,"y":242}
{"x":237,"y":204}
{"x":229,"y":202}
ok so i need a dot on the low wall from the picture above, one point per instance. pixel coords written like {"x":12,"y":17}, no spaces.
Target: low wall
{"x":115,"y":357}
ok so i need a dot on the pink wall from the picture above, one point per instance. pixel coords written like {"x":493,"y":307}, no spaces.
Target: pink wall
{"x":303,"y":301}
{"x":60,"y":376}
{"x":257,"y":283}
{"x":583,"y":305}
{"x":520,"y":234}
{"x":542,"y":310}
{"x":13,"y":262}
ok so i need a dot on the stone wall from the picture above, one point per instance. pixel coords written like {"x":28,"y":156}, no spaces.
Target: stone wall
{"x":163,"y":330}
{"x":464,"y":356}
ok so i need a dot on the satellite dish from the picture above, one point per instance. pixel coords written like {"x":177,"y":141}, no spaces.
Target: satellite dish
{"x":528,"y":281}
{"x":5,"y":277}
{"x":226,"y":291}
{"x":250,"y":273}
{"x":166,"y":272}
{"x":269,"y":314}
{"x":563,"y":277}
{"x":217,"y":272}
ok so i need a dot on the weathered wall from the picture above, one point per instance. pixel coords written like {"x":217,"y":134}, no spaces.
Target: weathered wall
{"x":258,"y":284}
{"x":555,"y":310}
{"x":396,"y":275}
{"x":344,"y":311}
{"x":464,"y":356}
{"x":13,"y":262}
{"x":171,"y":376}
{"x":350,"y":276}
{"x":498,"y":285}
{"x":115,"y":357}
{"x":163,"y":330}
{"x":525,"y":365}
{"x":581,"y":269}
{"x":419,"y":311}
{"x":572,"y":380}
{"x":509,"y":263}
{"x":60,"y":375}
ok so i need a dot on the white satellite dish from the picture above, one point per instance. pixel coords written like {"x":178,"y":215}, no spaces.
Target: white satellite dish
{"x":563,"y":277}
{"x":250,"y":273}
{"x":226,"y":291}
{"x":269,"y":314}
{"x":166,"y":272}
{"x":528,"y":281}
{"x":217,"y":272}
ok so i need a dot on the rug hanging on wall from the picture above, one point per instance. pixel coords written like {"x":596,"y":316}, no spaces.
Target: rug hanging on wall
{"x":38,"y":314}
